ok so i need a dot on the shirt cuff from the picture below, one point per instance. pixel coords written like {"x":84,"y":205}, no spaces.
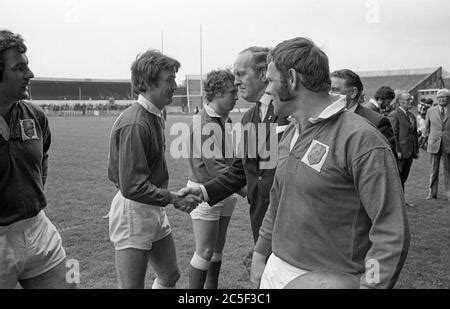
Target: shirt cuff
{"x":204,"y":192}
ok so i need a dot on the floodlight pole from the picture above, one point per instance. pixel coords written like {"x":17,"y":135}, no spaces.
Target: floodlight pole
{"x":188,"y":94}
{"x":201,"y":67}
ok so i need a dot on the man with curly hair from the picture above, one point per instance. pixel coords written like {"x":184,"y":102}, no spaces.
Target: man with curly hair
{"x":31,"y":251}
{"x":211,"y":222}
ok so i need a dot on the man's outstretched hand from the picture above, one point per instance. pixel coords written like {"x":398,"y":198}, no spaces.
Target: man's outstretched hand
{"x":185,"y":202}
{"x":191,"y":190}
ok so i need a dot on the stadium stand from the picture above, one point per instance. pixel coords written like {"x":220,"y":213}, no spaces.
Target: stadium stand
{"x":110,"y":92}
{"x":411,"y":80}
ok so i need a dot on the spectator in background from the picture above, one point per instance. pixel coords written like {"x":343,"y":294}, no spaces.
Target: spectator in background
{"x":422,"y":109}
{"x":348,"y":83}
{"x":394,"y":103}
{"x":406,"y":137}
{"x":437,"y":129}
{"x":383,"y":97}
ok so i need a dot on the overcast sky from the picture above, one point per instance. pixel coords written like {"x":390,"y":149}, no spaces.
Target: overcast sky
{"x":100,"y":38}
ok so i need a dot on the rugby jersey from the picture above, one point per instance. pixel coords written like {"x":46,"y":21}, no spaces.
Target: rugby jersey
{"x":337,"y":200}
{"x":137,"y":165}
{"x":24,"y":143}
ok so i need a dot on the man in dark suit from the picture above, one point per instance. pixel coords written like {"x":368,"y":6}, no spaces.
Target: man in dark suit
{"x":250,"y":78}
{"x":437,"y":129}
{"x":348,"y":83}
{"x":404,"y":125}
{"x":383,"y":97}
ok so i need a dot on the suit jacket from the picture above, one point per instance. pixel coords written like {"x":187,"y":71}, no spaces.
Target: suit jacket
{"x":382,"y":123}
{"x":405,"y":133}
{"x":246,"y":170}
{"x":373,"y":107}
{"x":437,"y":130}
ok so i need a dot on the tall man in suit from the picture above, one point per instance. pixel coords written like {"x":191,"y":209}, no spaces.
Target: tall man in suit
{"x":437,"y":129}
{"x":250,"y":78}
{"x":348,"y":83}
{"x":404,"y":125}
{"x":383,"y":97}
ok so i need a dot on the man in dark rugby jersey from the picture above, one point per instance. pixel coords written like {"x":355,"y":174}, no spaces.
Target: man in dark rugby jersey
{"x":31,"y":251}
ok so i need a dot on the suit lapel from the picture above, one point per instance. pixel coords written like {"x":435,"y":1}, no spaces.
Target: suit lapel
{"x":446,"y":115}
{"x":270,"y":118}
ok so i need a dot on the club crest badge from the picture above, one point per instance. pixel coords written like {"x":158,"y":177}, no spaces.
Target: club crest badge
{"x":28,"y":129}
{"x":316,"y":155}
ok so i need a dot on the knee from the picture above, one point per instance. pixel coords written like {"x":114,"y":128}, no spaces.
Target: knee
{"x":206,"y":252}
{"x":170,"y":278}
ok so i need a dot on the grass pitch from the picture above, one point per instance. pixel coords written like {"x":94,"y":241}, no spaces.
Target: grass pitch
{"x":79,"y":195}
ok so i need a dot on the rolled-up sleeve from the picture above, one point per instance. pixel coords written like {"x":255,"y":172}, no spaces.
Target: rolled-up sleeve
{"x":377,"y":181}
{"x":133,"y":168}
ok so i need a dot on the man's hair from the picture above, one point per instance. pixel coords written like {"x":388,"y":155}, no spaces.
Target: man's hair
{"x":398,"y":95}
{"x":384,"y":92}
{"x":442,"y":92}
{"x":146,"y":68}
{"x":307,"y":59}
{"x":259,"y":54}
{"x":9,"y":40}
{"x":351,"y":80}
{"x":217,"y":81}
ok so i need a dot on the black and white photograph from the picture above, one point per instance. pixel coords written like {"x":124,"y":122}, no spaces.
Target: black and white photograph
{"x":235,"y":146}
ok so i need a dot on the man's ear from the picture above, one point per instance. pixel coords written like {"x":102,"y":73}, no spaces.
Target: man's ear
{"x":262,"y":75}
{"x":293,"y":79}
{"x":354,"y":93}
{"x":149,"y":85}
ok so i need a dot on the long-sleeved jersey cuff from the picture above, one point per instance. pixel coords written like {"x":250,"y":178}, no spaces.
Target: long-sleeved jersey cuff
{"x":263,"y":246}
{"x":204,"y":192}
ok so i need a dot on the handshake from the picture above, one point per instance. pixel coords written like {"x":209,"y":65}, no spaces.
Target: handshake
{"x":187,"y":199}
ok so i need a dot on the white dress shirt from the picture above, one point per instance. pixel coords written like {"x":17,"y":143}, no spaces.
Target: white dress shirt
{"x":265,"y":101}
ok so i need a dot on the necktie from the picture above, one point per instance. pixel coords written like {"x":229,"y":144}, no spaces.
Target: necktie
{"x":269,"y":113}
{"x":442,"y":112}
{"x":410,"y":118}
{"x":258,"y":112}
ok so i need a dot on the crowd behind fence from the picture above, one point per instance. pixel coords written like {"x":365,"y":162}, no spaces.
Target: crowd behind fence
{"x":100,"y":109}
{"x":82,"y":109}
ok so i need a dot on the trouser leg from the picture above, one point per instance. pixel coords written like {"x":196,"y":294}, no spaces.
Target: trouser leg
{"x":434,"y":174}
